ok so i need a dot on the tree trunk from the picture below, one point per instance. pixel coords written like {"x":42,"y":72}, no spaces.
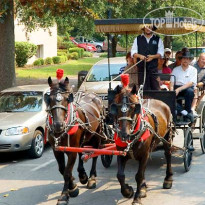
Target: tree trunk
{"x":114,"y":46}
{"x":168,"y":42}
{"x":7,"y":50}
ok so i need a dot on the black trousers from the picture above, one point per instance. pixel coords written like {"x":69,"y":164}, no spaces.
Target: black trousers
{"x":188,"y":95}
{"x":151,"y":81}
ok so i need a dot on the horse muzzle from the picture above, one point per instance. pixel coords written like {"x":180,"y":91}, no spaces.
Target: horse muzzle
{"x":59,"y":127}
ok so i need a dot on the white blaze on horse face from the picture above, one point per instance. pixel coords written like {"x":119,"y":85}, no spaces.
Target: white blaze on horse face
{"x":59,"y":97}
{"x":124,"y":108}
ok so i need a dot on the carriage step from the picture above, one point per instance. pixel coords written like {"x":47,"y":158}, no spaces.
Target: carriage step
{"x":197,"y":135}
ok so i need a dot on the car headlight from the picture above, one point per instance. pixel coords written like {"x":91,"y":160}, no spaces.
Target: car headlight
{"x":17,"y":131}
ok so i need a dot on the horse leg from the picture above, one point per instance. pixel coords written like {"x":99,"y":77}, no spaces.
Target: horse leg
{"x":167,"y":152}
{"x":140,"y":179}
{"x":81,"y":171}
{"x":70,"y":188}
{"x":95,"y":141}
{"x":60,"y":158}
{"x":92,"y":181}
{"x":126,"y":190}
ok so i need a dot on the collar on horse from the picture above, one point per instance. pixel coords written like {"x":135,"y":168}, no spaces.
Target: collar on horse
{"x":140,"y":133}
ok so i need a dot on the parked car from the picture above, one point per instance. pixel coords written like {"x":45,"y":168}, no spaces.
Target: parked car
{"x":23,"y":119}
{"x":199,"y":51}
{"x":118,"y":48}
{"x":85,"y":46}
{"x":97,"y":79}
{"x":98,"y":44}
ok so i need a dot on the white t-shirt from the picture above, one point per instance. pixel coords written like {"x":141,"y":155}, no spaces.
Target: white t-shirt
{"x":184,"y":76}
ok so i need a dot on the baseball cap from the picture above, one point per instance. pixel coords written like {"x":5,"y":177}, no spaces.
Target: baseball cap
{"x":167,"y":50}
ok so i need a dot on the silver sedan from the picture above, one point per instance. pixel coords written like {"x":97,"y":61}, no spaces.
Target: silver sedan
{"x":23,"y":119}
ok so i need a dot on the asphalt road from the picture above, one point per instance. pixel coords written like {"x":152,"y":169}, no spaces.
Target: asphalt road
{"x":24,"y":181}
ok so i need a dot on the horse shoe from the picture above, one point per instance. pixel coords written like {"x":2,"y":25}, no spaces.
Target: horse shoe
{"x":73,"y":192}
{"x":91,"y":183}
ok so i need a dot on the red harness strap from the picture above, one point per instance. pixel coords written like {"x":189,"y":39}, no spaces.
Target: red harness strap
{"x":74,"y":128}
{"x":144,"y":136}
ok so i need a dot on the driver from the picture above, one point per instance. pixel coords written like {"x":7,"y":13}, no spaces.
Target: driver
{"x":149,"y":47}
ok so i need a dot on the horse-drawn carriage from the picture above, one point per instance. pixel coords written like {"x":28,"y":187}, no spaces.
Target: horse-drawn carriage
{"x":141,"y":121}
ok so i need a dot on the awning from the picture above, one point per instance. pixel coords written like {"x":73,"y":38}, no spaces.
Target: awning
{"x":177,"y":25}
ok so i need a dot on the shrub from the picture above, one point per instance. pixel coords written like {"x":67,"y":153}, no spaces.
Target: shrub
{"x":103,"y":55}
{"x":61,"y":53}
{"x":41,"y":60}
{"x":74,"y":56}
{"x":63,"y":59}
{"x":24,"y":51}
{"x":56,"y":59}
{"x":48,"y":61}
{"x":87,"y":54}
{"x":37,"y":62}
{"x":69,"y":56}
{"x":80,"y":51}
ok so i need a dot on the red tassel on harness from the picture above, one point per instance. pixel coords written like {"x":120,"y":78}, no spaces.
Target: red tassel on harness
{"x":125,"y":79}
{"x":59,"y":74}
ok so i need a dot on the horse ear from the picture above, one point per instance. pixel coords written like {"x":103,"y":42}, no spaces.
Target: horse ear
{"x":134,"y":90}
{"x":118,"y":89}
{"x":66,"y":81}
{"x":50,"y":82}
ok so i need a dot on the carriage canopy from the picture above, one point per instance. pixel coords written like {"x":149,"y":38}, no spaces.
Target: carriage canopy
{"x":179,"y":25}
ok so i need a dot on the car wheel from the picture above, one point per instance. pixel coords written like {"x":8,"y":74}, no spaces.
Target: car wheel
{"x":37,"y":146}
{"x":99,"y":49}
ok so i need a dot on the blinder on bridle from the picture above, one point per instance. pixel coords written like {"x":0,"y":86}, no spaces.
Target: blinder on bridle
{"x":59,"y":98}
{"x":114,"y":108}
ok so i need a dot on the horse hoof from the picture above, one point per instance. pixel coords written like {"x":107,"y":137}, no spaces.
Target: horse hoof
{"x":83,"y":178}
{"x":127,"y":192}
{"x":74,"y":192}
{"x":167,"y":184}
{"x":143,"y":192}
{"x":63,"y":200}
{"x":91,"y":183}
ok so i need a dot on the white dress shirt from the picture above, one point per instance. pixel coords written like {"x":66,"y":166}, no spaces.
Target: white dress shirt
{"x":160,"y":46}
{"x":184,"y":76}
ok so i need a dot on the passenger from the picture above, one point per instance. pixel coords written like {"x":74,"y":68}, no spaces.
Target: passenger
{"x":200,"y":66}
{"x":149,"y":47}
{"x":163,"y":68}
{"x":167,"y":53}
{"x":186,"y":79}
{"x":133,"y":79}
{"x":178,"y":60}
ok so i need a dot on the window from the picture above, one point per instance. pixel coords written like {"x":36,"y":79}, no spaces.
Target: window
{"x":39,"y":53}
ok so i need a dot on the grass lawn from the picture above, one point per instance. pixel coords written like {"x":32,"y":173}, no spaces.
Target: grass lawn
{"x":71,"y":68}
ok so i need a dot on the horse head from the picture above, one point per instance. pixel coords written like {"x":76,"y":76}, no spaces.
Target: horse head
{"x":125,"y":110}
{"x":57,"y":101}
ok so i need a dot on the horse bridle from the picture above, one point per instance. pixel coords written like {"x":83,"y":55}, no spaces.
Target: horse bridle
{"x":68,"y":122}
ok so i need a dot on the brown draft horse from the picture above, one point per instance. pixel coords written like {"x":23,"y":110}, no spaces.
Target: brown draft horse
{"x":125,"y":109}
{"x":85,"y":117}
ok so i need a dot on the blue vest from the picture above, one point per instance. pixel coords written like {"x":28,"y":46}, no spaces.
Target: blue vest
{"x":145,"y":49}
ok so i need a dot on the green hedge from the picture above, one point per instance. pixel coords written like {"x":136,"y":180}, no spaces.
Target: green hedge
{"x":24,"y":51}
{"x":74,"y":56}
{"x":63,"y":59}
{"x":48,"y":61}
{"x":56,"y":59}
{"x":87,"y":54}
{"x":37,"y":62}
{"x":80,"y":51}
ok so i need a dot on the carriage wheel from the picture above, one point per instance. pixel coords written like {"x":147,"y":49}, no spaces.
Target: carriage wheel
{"x":202,"y":140}
{"x":107,"y":159}
{"x":188,"y":145}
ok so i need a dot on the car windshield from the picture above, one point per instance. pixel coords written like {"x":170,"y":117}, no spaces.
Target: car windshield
{"x":199,"y":51}
{"x":100,"y":72}
{"x":21,"y":101}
